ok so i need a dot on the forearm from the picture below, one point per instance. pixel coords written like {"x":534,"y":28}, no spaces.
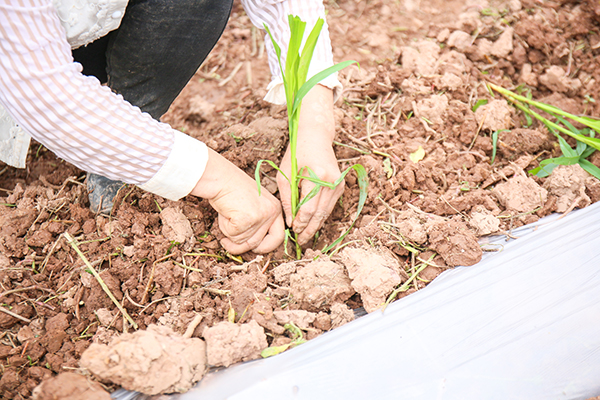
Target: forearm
{"x":77,"y":118}
{"x":317,"y":121}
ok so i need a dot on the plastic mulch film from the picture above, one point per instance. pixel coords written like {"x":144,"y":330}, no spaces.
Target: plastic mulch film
{"x":524,"y":323}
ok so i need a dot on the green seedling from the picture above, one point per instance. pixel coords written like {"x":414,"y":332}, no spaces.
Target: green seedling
{"x":570,"y":156}
{"x":495,"y":143}
{"x":588,"y":99}
{"x":406,"y":285}
{"x":479,"y":103}
{"x":587,"y":143}
{"x":173,"y":244}
{"x":296,"y":87}
{"x":518,"y":101}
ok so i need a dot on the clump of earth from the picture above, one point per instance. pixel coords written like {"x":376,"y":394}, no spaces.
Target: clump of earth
{"x":417,"y":115}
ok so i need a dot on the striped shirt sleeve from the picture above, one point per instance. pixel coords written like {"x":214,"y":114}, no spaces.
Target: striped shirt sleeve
{"x":80,"y":120}
{"x":274,"y":13}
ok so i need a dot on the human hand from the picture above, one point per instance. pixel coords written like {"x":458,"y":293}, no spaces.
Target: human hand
{"x":249,"y":221}
{"x":316,"y":131}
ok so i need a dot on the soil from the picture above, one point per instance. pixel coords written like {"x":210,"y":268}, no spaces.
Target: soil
{"x":406,"y":115}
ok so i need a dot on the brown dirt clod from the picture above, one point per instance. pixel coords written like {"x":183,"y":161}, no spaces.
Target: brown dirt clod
{"x":374,"y":274}
{"x":228,"y":343}
{"x":70,"y":386}
{"x":319,"y":284}
{"x":152,"y":361}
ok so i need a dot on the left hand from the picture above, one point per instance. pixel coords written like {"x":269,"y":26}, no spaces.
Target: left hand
{"x":314,"y":149}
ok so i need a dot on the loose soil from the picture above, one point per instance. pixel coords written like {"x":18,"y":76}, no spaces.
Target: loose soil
{"x":406,"y":115}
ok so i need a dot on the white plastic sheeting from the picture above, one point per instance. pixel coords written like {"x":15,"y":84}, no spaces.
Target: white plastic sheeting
{"x":523,"y":323}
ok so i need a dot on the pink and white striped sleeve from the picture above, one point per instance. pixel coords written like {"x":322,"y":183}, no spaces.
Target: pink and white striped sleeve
{"x":274,"y":13}
{"x":80,"y":120}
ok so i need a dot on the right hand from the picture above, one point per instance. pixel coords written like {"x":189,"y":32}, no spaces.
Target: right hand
{"x":249,"y":221}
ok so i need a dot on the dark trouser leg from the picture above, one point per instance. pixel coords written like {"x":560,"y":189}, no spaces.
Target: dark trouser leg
{"x":150,"y":58}
{"x":159,"y":46}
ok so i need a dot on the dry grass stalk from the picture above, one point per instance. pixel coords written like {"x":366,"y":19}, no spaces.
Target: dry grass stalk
{"x":14,"y":315}
{"x":91,"y":269}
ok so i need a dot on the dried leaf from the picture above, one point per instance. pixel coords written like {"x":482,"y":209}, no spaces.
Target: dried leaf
{"x":231,"y":313}
{"x":418,"y":155}
{"x":387,"y":167}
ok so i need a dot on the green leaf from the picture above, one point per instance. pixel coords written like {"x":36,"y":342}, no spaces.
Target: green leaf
{"x":298,"y":338}
{"x":529,"y":120}
{"x":590,"y":168}
{"x":565,"y":148}
{"x":329,"y":184}
{"x":294,"y":330}
{"x":590,"y":122}
{"x":568,"y":124}
{"x":387,"y":167}
{"x":581,"y":147}
{"x":494,"y":145}
{"x":479,"y":103}
{"x":314,"y":190}
{"x":297,"y":27}
{"x":318,"y":78}
{"x":543,"y":171}
{"x":308,"y":50}
{"x":587,"y":152}
{"x":363,"y":184}
{"x":273,"y":351}
{"x":547,"y":166}
{"x":564,"y":160}
{"x":257,"y":172}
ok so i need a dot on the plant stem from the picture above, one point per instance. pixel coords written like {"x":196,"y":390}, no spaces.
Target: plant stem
{"x":293,"y":127}
{"x":294,"y":179}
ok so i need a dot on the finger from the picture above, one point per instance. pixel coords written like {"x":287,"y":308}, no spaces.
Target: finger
{"x":306,"y":212}
{"x":264,"y":240}
{"x":274,"y":237}
{"x":286,"y":198}
{"x":238,"y":230}
{"x":317,"y":220}
{"x":235,"y":248}
{"x":327,"y":202}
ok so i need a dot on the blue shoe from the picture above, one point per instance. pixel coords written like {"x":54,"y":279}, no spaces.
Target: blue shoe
{"x":102,"y":193}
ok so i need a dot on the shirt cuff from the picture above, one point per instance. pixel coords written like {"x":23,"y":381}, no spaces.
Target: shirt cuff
{"x":182,"y":170}
{"x":276,"y":90}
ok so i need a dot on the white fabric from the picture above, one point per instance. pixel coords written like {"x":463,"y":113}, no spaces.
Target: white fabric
{"x":14,"y":142}
{"x":87,"y":20}
{"x":173,"y":180}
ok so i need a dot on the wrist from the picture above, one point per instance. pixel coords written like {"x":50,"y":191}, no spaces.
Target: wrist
{"x":210,"y":184}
